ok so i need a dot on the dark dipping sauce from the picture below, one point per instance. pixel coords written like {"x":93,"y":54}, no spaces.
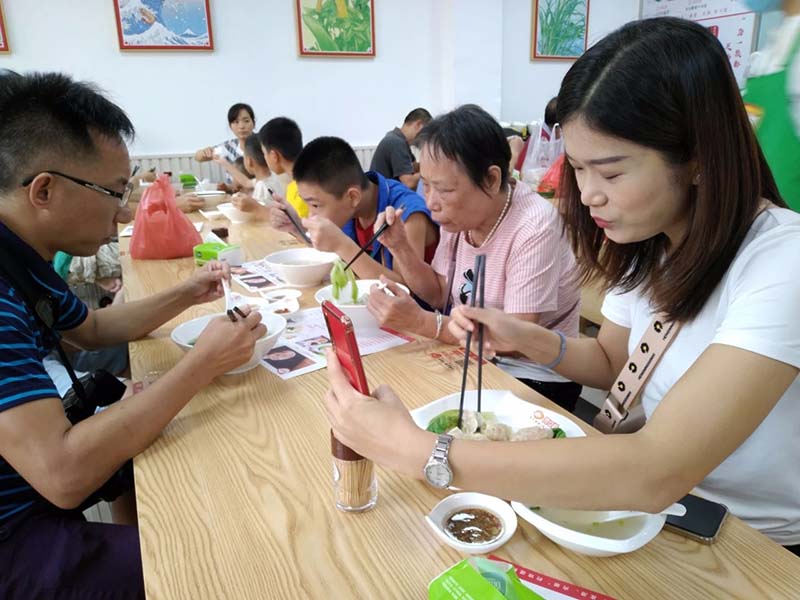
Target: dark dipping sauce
{"x":473,"y":526}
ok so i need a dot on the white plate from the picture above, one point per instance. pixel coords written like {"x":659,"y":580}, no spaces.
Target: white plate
{"x":291,"y":305}
{"x":509,"y":409}
{"x":209,"y":193}
{"x":282,"y":294}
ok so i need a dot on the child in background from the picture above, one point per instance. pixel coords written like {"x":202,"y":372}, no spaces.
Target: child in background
{"x":344,"y":203}
{"x":263,"y":179}
{"x":281,"y":143}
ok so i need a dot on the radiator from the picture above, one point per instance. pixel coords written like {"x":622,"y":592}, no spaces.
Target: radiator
{"x":185,"y":163}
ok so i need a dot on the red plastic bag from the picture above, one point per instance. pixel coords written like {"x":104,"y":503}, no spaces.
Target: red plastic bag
{"x":548,"y":186}
{"x":160,"y":229}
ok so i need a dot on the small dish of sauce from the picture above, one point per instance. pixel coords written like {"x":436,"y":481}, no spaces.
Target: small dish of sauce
{"x":473,"y":526}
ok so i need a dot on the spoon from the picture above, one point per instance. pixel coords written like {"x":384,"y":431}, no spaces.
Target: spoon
{"x":226,"y":288}
{"x":596,"y":517}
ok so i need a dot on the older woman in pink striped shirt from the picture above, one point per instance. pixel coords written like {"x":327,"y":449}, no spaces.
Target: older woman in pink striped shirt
{"x":530,"y":268}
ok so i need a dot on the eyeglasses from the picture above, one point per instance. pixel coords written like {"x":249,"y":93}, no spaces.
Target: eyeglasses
{"x":122,"y":197}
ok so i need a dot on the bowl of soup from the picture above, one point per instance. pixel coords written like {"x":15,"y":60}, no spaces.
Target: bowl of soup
{"x":303,"y":267}
{"x":185,"y":336}
{"x":576,"y":530}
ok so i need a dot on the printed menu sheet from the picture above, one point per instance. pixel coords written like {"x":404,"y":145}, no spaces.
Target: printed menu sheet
{"x":256,"y":276}
{"x":301,"y":348}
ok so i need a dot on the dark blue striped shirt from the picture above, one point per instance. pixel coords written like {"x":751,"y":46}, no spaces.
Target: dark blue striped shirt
{"x":22,"y":350}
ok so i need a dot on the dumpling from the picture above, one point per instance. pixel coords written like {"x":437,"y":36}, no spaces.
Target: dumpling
{"x":460,"y":435}
{"x":470,"y":421}
{"x":527,"y":434}
{"x":497,"y":432}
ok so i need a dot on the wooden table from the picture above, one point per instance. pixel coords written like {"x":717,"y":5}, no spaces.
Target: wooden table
{"x":235,"y":498}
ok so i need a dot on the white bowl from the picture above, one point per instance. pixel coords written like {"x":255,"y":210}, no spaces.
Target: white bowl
{"x":211,"y":198}
{"x":437,"y":517}
{"x":605,"y":539}
{"x":233,"y":214}
{"x":507,"y":407}
{"x":187,"y":332}
{"x":302,"y":267}
{"x":359,"y":313}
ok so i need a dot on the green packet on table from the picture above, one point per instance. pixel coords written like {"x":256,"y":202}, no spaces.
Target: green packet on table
{"x":479,"y":578}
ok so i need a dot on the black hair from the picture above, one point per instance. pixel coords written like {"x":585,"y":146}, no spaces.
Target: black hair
{"x":551,"y":112}
{"x":50,"y":117}
{"x":418,"y":114}
{"x":471,"y":137}
{"x":282,"y":134}
{"x":666,"y":84}
{"x":239,"y":164}
{"x":233,"y":112}
{"x":330,"y":163}
{"x":252,"y":148}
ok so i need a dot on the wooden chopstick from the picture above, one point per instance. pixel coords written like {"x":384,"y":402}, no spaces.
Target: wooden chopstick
{"x":371,"y":241}
{"x":478,"y":270}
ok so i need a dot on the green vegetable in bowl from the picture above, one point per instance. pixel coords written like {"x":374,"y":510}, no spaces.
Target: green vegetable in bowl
{"x":559,"y":433}
{"x":339,"y":280}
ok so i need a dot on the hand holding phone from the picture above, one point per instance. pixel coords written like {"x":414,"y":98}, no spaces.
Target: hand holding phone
{"x":343,"y":337}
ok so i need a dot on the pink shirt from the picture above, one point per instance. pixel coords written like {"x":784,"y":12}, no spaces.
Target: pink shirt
{"x":530,"y":267}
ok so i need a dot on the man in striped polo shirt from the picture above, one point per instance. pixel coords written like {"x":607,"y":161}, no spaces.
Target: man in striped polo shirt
{"x":64,"y":171}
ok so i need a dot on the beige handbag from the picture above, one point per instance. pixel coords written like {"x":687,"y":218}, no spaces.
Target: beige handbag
{"x":614,"y":416}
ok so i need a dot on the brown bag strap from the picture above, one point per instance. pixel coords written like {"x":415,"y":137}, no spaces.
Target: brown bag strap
{"x":637,"y":370}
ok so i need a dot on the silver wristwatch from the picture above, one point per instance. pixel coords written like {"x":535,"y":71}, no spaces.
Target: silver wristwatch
{"x":437,"y":470}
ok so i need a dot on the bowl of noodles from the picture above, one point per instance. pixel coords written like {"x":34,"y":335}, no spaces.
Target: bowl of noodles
{"x":185,"y":336}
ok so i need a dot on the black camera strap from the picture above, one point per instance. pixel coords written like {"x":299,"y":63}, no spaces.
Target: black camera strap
{"x":42,"y":304}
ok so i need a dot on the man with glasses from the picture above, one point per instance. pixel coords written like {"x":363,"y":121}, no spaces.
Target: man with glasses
{"x":64,"y":185}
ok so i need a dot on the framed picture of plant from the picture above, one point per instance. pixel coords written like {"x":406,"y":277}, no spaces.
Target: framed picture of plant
{"x":164,"y":25}
{"x":336,"y":27}
{"x":560,"y":29}
{"x":3,"y":37}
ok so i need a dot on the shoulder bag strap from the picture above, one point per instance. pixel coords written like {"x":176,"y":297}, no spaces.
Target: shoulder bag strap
{"x":637,"y":370}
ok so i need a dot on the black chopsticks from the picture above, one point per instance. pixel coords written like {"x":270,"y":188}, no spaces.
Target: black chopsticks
{"x":236,"y":310}
{"x":479,"y":276}
{"x":371,"y":241}
{"x":295,"y":221}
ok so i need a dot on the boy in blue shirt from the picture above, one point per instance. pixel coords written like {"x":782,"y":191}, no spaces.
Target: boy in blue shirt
{"x":344,"y":203}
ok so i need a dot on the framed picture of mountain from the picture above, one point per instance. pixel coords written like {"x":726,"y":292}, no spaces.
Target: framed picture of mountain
{"x":164,"y":24}
{"x":336,"y":27}
{"x":3,"y":37}
{"x":559,"y":29}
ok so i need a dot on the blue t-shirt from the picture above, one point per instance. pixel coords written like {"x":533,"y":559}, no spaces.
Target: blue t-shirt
{"x":395,"y":194}
{"x":22,"y":350}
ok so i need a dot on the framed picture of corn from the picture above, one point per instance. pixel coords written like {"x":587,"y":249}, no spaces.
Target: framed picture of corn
{"x":559,"y":29}
{"x":336,"y":27}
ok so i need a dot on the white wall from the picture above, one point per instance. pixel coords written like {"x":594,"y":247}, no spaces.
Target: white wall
{"x":528,"y":85}
{"x":178,"y":100}
{"x":432,"y":53}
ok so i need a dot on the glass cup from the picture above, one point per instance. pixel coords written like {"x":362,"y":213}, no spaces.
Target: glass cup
{"x":355,"y":484}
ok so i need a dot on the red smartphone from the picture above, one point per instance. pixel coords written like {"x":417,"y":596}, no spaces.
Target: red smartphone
{"x":340,"y":328}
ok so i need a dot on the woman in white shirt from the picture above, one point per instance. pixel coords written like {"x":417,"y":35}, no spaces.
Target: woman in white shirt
{"x":668,"y":201}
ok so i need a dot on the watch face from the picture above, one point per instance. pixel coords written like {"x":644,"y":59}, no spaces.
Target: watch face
{"x":438,"y":475}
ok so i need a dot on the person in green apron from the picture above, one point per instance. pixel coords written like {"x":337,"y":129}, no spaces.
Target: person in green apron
{"x":772,"y":96}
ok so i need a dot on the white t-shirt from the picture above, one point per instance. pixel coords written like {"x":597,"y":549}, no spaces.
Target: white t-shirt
{"x":755,"y":307}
